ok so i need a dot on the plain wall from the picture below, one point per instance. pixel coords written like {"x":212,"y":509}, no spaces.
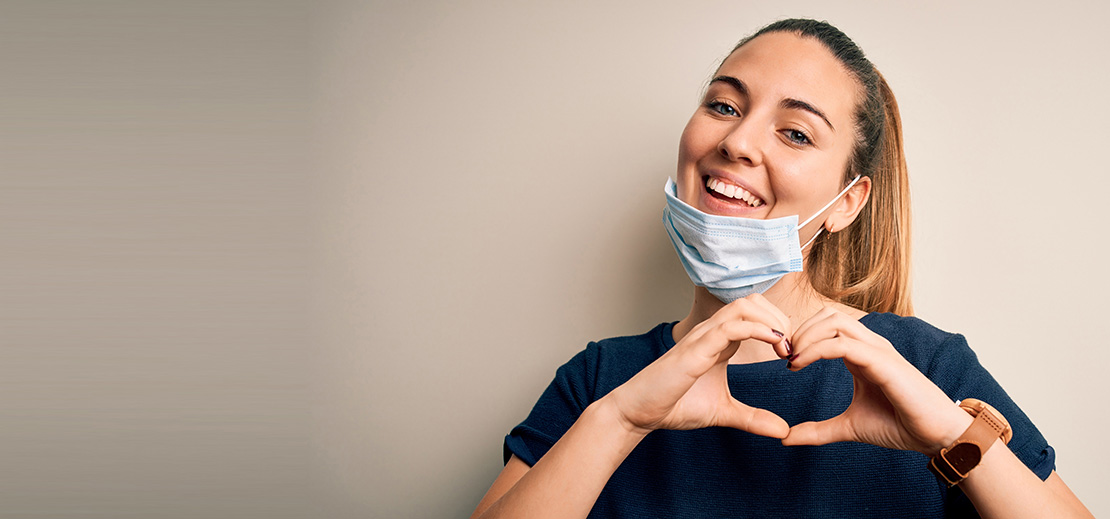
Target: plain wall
{"x":289,"y":259}
{"x":155,"y":167}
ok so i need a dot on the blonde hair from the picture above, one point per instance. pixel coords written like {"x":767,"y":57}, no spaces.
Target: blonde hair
{"x":867,"y":264}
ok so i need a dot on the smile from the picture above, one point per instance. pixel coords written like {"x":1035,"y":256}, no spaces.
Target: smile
{"x":732,"y":191}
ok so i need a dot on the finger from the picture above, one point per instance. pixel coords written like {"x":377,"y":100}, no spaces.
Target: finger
{"x":782,"y":347}
{"x":819,"y":433}
{"x":753,"y":420}
{"x":775,"y":313}
{"x":758,"y":309}
{"x":714,"y":342}
{"x":830,"y":322}
{"x":899,"y":382}
{"x":753,"y":308}
{"x":884,"y":367}
{"x":819,"y":326}
{"x":829,"y":325}
{"x":695,"y":356}
{"x":808,"y":352}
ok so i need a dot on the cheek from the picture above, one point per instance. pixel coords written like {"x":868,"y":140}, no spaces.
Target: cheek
{"x":805,"y":184}
{"x":696,"y":142}
{"x":693,"y":146}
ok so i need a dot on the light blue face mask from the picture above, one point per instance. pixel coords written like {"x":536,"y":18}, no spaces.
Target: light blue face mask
{"x":734,"y":256}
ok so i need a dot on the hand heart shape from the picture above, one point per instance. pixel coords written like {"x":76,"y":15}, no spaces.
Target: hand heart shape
{"x":893,"y":405}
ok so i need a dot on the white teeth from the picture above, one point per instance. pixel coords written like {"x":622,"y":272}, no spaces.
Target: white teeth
{"x":733,"y":191}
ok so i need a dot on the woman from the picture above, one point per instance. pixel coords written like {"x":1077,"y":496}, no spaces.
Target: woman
{"x":694,"y":419}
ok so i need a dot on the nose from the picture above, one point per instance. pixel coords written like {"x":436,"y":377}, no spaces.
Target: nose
{"x":741,"y":143}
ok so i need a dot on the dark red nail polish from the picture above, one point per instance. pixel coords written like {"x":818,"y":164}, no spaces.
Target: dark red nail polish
{"x":789,"y":348}
{"x":792,"y":357}
{"x":789,"y":365}
{"x":776,"y":332}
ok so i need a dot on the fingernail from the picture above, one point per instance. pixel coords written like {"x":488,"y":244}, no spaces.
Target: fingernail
{"x":792,"y":358}
{"x":776,"y":332}
{"x":789,"y":348}
{"x":789,"y":365}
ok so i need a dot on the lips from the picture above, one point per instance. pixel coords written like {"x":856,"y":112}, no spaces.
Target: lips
{"x":732,"y":191}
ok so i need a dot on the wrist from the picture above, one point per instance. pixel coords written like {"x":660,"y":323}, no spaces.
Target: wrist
{"x":609,"y":413}
{"x":954,"y":463}
{"x":956,"y":422}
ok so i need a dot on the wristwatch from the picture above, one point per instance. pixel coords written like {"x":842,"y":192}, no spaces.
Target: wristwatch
{"x":955,"y":461}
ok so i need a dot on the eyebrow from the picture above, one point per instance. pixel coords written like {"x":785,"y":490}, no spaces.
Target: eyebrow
{"x":788,"y":103}
{"x":735,"y":83}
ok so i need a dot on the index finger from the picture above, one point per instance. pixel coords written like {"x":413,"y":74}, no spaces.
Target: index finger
{"x":776,"y":313}
{"x":756,"y":308}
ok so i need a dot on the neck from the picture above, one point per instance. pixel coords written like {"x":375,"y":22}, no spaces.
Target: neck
{"x":793,"y":295}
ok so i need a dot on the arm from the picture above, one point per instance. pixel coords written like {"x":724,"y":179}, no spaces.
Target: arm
{"x":566,"y":481}
{"x":1001,"y":486}
{"x":894,"y":405}
{"x":686,"y":388}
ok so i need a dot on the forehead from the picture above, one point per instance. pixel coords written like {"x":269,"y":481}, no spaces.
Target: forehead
{"x":783,"y":65}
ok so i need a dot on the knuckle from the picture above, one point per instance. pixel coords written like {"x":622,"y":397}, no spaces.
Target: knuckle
{"x":715,"y":331}
{"x":733,"y":328}
{"x":725,"y":328}
{"x":741,"y":303}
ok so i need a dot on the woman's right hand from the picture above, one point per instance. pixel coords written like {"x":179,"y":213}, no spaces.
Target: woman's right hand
{"x":687,"y":388}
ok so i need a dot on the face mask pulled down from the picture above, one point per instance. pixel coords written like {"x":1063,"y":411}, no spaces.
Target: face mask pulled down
{"x":732,"y":256}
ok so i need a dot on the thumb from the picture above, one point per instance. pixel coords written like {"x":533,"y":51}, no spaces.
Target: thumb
{"x":818,"y":433}
{"x":752,"y":419}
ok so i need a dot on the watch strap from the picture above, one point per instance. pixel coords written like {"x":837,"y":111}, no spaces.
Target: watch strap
{"x":955,"y":461}
{"x":978,"y":407}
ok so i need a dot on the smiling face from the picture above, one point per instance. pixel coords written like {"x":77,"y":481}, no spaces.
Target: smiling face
{"x":773,"y":134}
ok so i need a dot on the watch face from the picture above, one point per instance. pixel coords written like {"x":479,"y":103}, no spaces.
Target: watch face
{"x":963,"y":457}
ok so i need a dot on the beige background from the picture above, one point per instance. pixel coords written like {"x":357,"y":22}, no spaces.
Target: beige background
{"x":291,"y":259}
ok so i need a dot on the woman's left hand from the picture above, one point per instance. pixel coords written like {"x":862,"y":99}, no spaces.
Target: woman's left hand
{"x":893,"y":404}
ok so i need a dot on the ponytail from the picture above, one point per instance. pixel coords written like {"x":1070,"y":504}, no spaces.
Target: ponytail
{"x":867,"y":265}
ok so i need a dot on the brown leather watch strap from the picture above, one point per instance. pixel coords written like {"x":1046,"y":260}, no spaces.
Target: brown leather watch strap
{"x":956,"y":461}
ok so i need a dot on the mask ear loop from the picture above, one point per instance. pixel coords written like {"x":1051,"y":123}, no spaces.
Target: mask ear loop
{"x":821,"y":210}
{"x":814,"y":238}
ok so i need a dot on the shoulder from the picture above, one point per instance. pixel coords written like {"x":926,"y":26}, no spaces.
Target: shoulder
{"x":919,"y":342}
{"x":903,"y":327}
{"x":587,"y":377}
{"x":649,"y":345}
{"x":608,"y":363}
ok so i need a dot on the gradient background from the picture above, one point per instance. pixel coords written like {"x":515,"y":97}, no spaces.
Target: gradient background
{"x":314,"y":259}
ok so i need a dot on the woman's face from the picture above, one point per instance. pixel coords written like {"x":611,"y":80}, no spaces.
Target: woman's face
{"x":774,"y":132}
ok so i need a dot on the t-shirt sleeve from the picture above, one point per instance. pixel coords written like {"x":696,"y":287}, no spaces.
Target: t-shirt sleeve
{"x":558,"y":408}
{"x":956,"y":370}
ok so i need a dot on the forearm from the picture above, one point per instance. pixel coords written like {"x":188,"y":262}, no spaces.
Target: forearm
{"x":568,"y":479}
{"x":1002,"y":486}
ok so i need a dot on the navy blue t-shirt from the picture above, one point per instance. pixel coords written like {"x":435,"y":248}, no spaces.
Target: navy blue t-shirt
{"x":723,"y":472}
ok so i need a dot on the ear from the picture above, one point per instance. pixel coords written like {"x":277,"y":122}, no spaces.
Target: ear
{"x":845,"y":211}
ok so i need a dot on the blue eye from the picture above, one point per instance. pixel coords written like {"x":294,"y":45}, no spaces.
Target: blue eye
{"x":722,"y":108}
{"x":797,"y":137}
